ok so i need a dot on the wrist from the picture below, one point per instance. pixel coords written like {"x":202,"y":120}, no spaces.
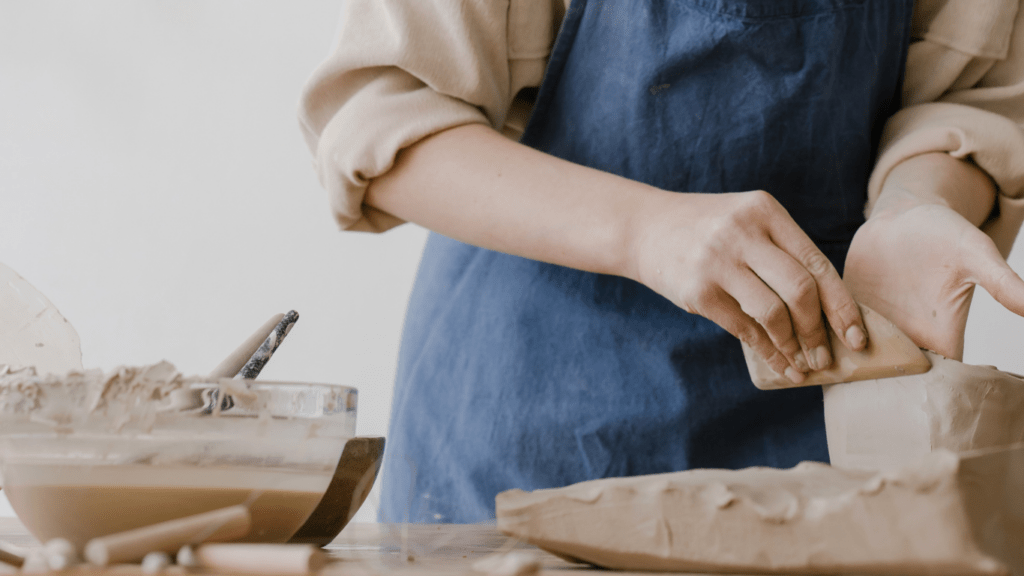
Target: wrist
{"x":937,"y":179}
{"x":641,"y":232}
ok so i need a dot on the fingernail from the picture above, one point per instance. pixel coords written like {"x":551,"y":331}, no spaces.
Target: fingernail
{"x":792,"y":374}
{"x":820,"y":358}
{"x":856,"y":337}
{"x":801,"y":361}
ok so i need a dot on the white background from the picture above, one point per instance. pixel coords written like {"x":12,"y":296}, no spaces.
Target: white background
{"x":155,"y":186}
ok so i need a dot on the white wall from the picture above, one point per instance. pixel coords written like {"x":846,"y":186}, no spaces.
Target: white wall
{"x":153,"y":184}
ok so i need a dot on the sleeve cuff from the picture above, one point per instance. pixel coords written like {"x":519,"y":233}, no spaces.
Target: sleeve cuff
{"x":389,"y":113}
{"x":994,"y":142}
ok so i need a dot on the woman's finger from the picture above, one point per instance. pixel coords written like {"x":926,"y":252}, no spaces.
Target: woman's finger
{"x":727,"y":313}
{"x":992,"y":273}
{"x":836,"y":302}
{"x":761,"y":304}
{"x":799,"y":290}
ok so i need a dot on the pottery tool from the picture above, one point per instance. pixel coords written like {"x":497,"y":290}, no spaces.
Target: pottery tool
{"x":220,"y":525}
{"x":889,"y":353}
{"x":12,"y":555}
{"x":233,"y":364}
{"x":32,"y":330}
{"x":259,"y":358}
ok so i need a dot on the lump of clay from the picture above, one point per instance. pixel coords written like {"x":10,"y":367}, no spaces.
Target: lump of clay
{"x":946,"y":514}
{"x":883,"y":424}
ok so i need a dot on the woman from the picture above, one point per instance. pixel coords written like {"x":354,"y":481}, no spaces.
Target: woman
{"x":693,"y":172}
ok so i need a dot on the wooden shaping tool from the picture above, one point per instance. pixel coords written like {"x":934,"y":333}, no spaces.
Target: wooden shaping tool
{"x":889,"y":353}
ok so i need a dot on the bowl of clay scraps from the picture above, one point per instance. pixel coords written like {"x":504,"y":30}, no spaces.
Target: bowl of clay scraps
{"x":87,"y":454}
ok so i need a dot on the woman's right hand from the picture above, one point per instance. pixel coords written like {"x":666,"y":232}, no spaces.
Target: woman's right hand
{"x":741,"y":261}
{"x":737,"y":259}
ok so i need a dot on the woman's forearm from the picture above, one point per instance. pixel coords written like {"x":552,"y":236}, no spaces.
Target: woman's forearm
{"x":474,"y":185}
{"x":738,"y":259}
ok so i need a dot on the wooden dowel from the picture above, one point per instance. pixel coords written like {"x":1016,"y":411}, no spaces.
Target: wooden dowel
{"x":10,"y":554}
{"x":220,"y":525}
{"x":265,"y":559}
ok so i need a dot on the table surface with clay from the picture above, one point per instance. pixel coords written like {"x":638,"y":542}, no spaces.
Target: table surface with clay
{"x":376,"y":549}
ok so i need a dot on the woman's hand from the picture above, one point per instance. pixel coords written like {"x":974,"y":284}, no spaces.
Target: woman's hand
{"x":741,"y":261}
{"x":919,"y":256}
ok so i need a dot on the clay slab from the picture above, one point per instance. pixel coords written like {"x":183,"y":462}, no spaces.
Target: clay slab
{"x":883,"y":424}
{"x":944,"y":515}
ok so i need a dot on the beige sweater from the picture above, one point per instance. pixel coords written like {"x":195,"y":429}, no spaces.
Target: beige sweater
{"x":402,"y":70}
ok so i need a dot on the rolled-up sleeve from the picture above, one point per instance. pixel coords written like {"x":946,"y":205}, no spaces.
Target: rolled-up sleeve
{"x":964,"y":95}
{"x":400,"y":71}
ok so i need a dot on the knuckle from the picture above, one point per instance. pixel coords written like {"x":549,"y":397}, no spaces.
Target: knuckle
{"x":815,"y":336}
{"x":761,"y":199}
{"x":751,"y":336}
{"x":777,"y":361}
{"x":848,"y":311}
{"x":789,"y":346}
{"x":804,"y":290}
{"x":698,"y":298}
{"x":773,"y":317}
{"x":815,"y":262}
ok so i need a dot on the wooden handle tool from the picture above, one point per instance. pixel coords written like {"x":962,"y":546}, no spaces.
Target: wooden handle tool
{"x":216,"y":526}
{"x":889,"y":353}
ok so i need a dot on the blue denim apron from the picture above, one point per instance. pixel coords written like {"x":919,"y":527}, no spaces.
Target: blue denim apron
{"x":519,"y":374}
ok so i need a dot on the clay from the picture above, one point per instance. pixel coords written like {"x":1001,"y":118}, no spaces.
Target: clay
{"x":944,"y":515}
{"x":146,"y":495}
{"x":889,"y":352}
{"x":883,"y":424}
{"x":83,"y":400}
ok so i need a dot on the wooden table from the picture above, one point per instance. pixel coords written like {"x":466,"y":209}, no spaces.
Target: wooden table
{"x":385,"y":549}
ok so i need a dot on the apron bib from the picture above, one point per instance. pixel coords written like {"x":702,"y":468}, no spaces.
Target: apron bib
{"x":519,"y":374}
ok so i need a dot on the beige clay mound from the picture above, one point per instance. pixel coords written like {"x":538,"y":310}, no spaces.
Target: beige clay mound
{"x":949,"y":499}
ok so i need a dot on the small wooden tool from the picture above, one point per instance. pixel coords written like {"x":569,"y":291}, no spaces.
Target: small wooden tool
{"x":889,"y":353}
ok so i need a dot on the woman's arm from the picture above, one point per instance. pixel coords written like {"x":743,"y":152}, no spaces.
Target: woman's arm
{"x":951,"y":161}
{"x":921,"y":252}
{"x":737,"y":259}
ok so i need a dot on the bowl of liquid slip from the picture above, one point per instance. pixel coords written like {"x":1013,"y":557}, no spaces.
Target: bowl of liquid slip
{"x":88,"y":453}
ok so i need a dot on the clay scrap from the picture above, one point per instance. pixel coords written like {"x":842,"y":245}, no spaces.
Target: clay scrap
{"x":946,"y":514}
{"x":883,"y":424}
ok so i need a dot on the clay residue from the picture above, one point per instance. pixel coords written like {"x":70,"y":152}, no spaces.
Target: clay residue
{"x":938,"y":516}
{"x":91,"y":399}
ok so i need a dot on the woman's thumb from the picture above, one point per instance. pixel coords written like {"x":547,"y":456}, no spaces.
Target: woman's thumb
{"x":999,"y":280}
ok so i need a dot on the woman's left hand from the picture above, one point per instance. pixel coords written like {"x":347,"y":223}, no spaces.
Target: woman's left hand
{"x":919,"y":256}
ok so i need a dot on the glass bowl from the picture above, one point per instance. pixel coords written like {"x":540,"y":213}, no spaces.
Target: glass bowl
{"x":76,"y":467}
